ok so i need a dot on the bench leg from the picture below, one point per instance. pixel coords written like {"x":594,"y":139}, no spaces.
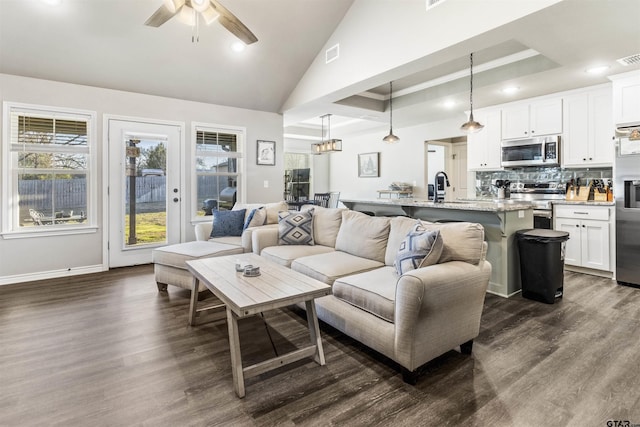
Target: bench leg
{"x":162,"y":287}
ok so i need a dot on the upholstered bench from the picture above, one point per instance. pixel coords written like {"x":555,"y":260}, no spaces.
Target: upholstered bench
{"x":169,"y":261}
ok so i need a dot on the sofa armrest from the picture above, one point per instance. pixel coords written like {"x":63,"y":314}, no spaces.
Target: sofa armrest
{"x":438,"y":308}
{"x":264,"y":237}
{"x":247,"y":236}
{"x":203,"y":230}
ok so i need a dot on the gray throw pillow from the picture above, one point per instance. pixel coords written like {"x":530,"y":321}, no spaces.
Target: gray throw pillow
{"x":227,"y":223}
{"x":420,"y":248}
{"x":295,"y":228}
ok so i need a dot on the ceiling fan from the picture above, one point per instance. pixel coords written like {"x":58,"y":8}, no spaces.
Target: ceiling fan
{"x":209,"y":10}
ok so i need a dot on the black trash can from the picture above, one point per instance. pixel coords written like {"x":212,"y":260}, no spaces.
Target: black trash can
{"x":542,"y":263}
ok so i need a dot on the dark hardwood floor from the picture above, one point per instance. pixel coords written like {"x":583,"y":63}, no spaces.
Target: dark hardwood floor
{"x":109,"y":350}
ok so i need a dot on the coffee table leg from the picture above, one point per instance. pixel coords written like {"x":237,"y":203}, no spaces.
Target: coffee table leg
{"x":236,"y":358}
{"x":193,"y":307}
{"x":314,"y":331}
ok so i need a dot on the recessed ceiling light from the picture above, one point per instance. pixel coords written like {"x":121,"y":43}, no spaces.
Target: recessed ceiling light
{"x":449,"y":104}
{"x":238,"y":46}
{"x":599,"y":69}
{"x":510,"y":90}
{"x":52,"y":2}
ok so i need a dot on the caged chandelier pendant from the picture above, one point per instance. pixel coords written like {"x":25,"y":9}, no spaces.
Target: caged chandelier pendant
{"x":327,"y":145}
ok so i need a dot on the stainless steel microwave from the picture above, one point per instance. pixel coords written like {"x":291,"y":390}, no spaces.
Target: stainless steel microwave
{"x":544,"y":150}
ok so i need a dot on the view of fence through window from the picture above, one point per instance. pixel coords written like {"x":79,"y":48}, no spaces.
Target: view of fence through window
{"x":50,"y":163}
{"x":216,"y":170}
{"x":145,"y":193}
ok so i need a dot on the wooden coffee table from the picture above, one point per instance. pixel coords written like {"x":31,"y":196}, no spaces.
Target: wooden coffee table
{"x":276,"y":287}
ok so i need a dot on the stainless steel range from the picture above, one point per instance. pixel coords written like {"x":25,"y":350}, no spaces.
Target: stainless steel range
{"x":541,"y":195}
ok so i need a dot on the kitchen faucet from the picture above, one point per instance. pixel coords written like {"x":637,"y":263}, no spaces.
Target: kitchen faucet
{"x":441,"y":179}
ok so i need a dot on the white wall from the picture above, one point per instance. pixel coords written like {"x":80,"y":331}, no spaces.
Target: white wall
{"x":403,"y":161}
{"x":40,"y":257}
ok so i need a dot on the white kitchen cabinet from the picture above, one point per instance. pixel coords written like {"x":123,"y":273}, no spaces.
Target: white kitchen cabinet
{"x":626,"y":97}
{"x":589,"y":230}
{"x":539,"y":118}
{"x":588,"y":129}
{"x":483,"y":148}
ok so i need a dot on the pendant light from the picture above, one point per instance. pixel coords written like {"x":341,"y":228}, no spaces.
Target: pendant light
{"x":471,"y":126}
{"x":327,"y":145}
{"x":391,"y":138}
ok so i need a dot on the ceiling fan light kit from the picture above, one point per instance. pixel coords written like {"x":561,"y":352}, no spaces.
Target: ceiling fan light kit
{"x":471,"y":126}
{"x":189,"y":11}
{"x":391,"y":138}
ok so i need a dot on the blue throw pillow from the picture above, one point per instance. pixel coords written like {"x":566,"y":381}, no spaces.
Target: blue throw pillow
{"x":228,"y":223}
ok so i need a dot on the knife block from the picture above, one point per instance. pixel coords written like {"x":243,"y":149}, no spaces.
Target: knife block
{"x":578,"y":194}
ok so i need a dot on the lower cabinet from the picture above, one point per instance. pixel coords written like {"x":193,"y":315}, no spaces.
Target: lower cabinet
{"x":589,"y":231}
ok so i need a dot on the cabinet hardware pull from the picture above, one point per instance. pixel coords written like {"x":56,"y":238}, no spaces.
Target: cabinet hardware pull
{"x":581,"y":213}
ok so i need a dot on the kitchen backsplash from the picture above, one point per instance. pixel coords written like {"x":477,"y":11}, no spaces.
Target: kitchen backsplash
{"x":484,"y":180}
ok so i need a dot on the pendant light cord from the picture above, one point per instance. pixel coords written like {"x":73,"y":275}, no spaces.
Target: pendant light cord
{"x":390,"y":107}
{"x":471,"y":85}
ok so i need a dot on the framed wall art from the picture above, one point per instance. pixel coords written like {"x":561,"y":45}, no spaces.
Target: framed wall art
{"x":266,"y":153}
{"x":369,"y":165}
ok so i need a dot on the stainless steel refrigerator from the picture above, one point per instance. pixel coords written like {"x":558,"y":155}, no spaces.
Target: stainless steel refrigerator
{"x":626,"y":190}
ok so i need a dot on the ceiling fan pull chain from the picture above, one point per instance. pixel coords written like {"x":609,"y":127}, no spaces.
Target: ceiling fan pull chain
{"x":195,"y":36}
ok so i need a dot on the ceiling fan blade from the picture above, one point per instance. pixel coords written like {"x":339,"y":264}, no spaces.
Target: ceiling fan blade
{"x":159,"y":17}
{"x":233,"y":24}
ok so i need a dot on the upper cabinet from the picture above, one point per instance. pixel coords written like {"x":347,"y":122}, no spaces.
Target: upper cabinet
{"x":626,"y":97}
{"x":483,"y":148}
{"x":588,"y":129}
{"x":533,"y":119}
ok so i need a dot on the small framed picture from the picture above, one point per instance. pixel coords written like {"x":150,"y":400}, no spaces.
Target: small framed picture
{"x":368,"y":165}
{"x":266,"y":153}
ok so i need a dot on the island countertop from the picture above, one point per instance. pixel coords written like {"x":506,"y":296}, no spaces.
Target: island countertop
{"x":485,"y":205}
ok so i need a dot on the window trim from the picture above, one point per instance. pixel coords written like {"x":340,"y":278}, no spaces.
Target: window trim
{"x":9,"y":186}
{"x":241,"y":131}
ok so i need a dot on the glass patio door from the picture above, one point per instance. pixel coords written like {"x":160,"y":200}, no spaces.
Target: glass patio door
{"x":144,"y":190}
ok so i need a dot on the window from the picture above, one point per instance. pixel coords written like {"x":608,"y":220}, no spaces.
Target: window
{"x":218,"y":166}
{"x":48,"y":159}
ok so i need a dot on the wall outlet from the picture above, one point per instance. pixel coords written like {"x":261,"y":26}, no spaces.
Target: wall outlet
{"x":520,"y":214}
{"x":266,"y":184}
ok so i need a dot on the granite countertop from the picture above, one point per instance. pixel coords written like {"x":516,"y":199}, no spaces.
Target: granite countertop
{"x":485,"y":205}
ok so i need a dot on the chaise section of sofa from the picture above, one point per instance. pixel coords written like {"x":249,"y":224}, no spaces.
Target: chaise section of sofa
{"x":410,"y":318}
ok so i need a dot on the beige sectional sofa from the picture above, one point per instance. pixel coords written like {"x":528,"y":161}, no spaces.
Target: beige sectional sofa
{"x":411,"y":318}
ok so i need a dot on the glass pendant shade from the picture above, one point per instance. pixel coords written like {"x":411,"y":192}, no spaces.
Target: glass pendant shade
{"x":471,"y":126}
{"x":187,"y":16}
{"x":391,"y":138}
{"x":209,"y":15}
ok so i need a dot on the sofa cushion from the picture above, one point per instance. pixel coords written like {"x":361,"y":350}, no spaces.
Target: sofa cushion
{"x":228,"y":240}
{"x":373,"y":291}
{"x":176,"y":255}
{"x":228,"y":223}
{"x":419,"y":249}
{"x":363,"y":235}
{"x":326,"y":224}
{"x":330,"y":266}
{"x":295,"y":228}
{"x":256,"y":218}
{"x":273,"y":209}
{"x":286,"y":254}
{"x":462,"y":241}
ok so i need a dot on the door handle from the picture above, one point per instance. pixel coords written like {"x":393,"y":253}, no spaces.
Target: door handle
{"x":175,"y":199}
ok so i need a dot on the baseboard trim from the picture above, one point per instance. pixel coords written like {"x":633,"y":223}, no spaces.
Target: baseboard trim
{"x":51,"y":274}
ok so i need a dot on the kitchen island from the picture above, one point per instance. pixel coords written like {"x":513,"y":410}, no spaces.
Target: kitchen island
{"x":501,"y":219}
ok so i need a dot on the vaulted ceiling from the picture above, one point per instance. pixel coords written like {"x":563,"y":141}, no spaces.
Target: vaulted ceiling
{"x":104,"y":43}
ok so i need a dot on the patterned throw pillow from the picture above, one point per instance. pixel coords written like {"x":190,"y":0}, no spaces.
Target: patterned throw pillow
{"x":228,"y":223}
{"x":295,"y":228}
{"x":419,"y":249}
{"x":256,"y":217}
